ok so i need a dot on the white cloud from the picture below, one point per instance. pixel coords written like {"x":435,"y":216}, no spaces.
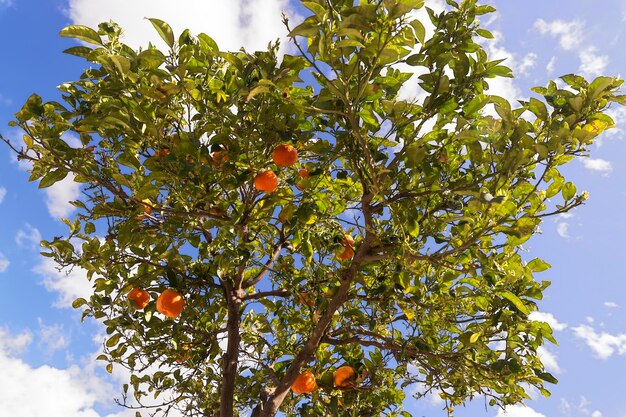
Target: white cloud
{"x":4,"y":262}
{"x":562,"y":229}
{"x":411,"y":89}
{"x":551,"y":65}
{"x":3,"y":193}
{"x":596,"y":414}
{"x":70,"y":285}
{"x":518,"y":411}
{"x":565,"y":407}
{"x":549,"y":360}
{"x":598,"y":165}
{"x":232,"y":24}
{"x":548,"y":318}
{"x":28,"y":237}
{"x":618,"y":114}
{"x":500,"y":86}
{"x":14,"y":344}
{"x":26,"y":391}
{"x":611,"y":304}
{"x":570,"y":33}
{"x":52,"y":337}
{"x":604,"y":344}
{"x":528,"y":62}
{"x":571,"y":36}
{"x":592,"y":64}
{"x":60,"y":194}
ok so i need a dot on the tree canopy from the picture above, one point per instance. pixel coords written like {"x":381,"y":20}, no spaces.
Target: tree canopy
{"x":385,"y":259}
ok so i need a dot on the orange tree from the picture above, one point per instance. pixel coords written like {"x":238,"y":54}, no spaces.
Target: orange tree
{"x":386,"y":239}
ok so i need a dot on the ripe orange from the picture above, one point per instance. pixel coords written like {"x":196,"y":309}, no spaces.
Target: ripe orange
{"x":344,"y":377}
{"x":219,"y":158}
{"x":148,"y":204}
{"x":266,"y":181}
{"x":170,"y":303}
{"x":147,"y":209}
{"x":185,"y":354}
{"x":347,"y":240}
{"x":348,"y":250}
{"x":163,"y":152}
{"x":347,"y":253}
{"x":304,"y":174}
{"x":306,"y":298}
{"x":304,"y":383}
{"x":139,"y":298}
{"x":285,"y":155}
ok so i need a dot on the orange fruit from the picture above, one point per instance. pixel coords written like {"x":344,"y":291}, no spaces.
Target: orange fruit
{"x":219,"y":158}
{"x":347,"y":253}
{"x":303,"y":174}
{"x":347,"y":240}
{"x":185,"y":355}
{"x":148,"y":204}
{"x":285,"y":155}
{"x":266,"y":181}
{"x":170,"y":303}
{"x":344,"y":377}
{"x":139,"y":298}
{"x":348,"y":250}
{"x":163,"y":152}
{"x":304,"y":383}
{"x":147,"y":209}
{"x":306,"y":298}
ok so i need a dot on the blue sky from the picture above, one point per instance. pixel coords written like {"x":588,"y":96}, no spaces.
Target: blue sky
{"x":46,"y":353}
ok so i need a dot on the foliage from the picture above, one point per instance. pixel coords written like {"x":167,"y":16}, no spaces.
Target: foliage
{"x":439,"y":193}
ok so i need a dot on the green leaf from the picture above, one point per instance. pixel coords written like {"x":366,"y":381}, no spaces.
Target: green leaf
{"x":484,"y":33}
{"x":598,"y":86}
{"x":164,"y":30}
{"x":414,"y":60}
{"x":475,"y":105}
{"x":316,"y":8}
{"x":78,"y":302}
{"x":113,"y":340}
{"x":515,"y":300}
{"x":480,"y":10}
{"x":538,"y":265}
{"x":500,"y":71}
{"x":89,"y":228}
{"x":368,"y":116}
{"x":548,"y":377}
{"x":306,"y":28}
{"x":419,"y":29}
{"x":539,"y":109}
{"x":52,"y":177}
{"x":83,"y":33}
{"x":120,"y":63}
{"x":81,"y":51}
{"x":208,"y":42}
{"x":349,"y":43}
{"x":568,"y":191}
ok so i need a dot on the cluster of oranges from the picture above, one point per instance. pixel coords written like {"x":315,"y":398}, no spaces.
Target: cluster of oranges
{"x":344,"y":378}
{"x":284,"y":156}
{"x":170,"y":303}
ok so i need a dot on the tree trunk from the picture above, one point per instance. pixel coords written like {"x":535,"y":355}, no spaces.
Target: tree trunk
{"x":231,"y":357}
